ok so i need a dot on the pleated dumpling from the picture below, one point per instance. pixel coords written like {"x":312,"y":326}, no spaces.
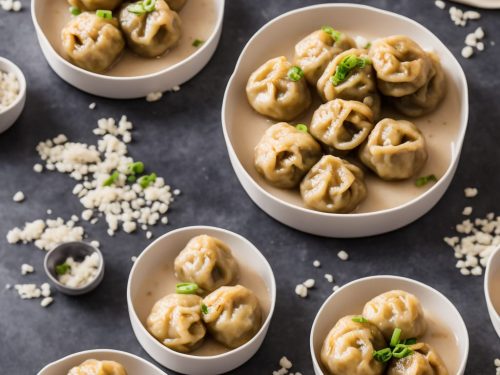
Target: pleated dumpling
{"x":315,"y":51}
{"x":395,"y":150}
{"x":333,"y":185}
{"x":348,"y":348}
{"x":285,"y":154}
{"x":424,"y":361}
{"x":402,"y":66}
{"x":278,"y":90}
{"x":176,"y":5}
{"x":95,"y":367}
{"x":95,"y":4}
{"x":233,"y":315}
{"x":175,"y":320}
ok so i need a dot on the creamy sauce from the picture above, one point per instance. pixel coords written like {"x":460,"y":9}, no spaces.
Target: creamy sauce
{"x":199,"y":18}
{"x":495,"y":291}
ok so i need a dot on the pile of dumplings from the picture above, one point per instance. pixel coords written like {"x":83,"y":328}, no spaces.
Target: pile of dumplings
{"x":346,"y":133}
{"x":94,"y":38}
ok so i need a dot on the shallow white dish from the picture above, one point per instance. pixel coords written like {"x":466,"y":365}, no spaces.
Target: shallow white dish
{"x":351,"y":298}
{"x":125,"y":87}
{"x":132,"y":363}
{"x":486,"y":4}
{"x":492,"y":269}
{"x":163,"y":251}
{"x":243,"y":127}
{"x":9,"y":115}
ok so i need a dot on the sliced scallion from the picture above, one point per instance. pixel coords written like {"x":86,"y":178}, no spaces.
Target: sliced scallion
{"x":332,"y":32}
{"x":396,"y":334}
{"x":204,"y":309}
{"x":186,"y":288}
{"x":401,"y":351}
{"x":197,"y":42}
{"x":62,"y":269}
{"x":383,"y":355}
{"x":301,"y":128}
{"x":111,"y":179}
{"x":359,"y":319}
{"x":106,"y":14}
{"x":295,"y":73}
{"x":424,"y":180}
{"x":348,"y":63}
{"x":74,"y":11}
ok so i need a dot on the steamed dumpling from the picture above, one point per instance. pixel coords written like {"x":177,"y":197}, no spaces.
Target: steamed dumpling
{"x":206,"y":261}
{"x":285,"y":154}
{"x":348,"y":348}
{"x":175,"y":320}
{"x":91,"y":42}
{"x":151,"y":34}
{"x":424,"y":361}
{"x":176,"y":5}
{"x":396,"y":309}
{"x":95,"y":4}
{"x":272,"y":93}
{"x":233,"y":315}
{"x":333,"y":185}
{"x":395,"y":150}
{"x":315,"y":51}
{"x":402,"y":66}
{"x":95,"y":367}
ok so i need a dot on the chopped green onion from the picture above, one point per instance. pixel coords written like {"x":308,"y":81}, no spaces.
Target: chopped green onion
{"x":111,"y":179}
{"x":295,"y":73}
{"x":301,"y":128}
{"x":401,"y":351}
{"x":411,"y":341}
{"x":63,"y":269}
{"x":395,"y":337}
{"x":359,"y":319}
{"x":149,"y":5}
{"x":424,"y":180}
{"x":147,"y":180}
{"x":349,"y":63}
{"x":186,"y":288}
{"x":135,"y":168}
{"x":142,"y":7}
{"x":198,"y":42}
{"x":332,"y":32}
{"x":131,"y":178}
{"x":383,"y":355}
{"x":106,"y":14}
{"x":74,"y":11}
{"x":368,"y":45}
{"x":204,"y":309}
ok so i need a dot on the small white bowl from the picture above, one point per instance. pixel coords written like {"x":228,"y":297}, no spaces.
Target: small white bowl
{"x":350,"y":299}
{"x":123,"y":87}
{"x":243,"y":127}
{"x":132,"y":363}
{"x":493,"y":270}
{"x":162,"y":252}
{"x":9,"y":115}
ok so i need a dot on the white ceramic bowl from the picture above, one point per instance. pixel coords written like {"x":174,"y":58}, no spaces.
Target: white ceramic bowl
{"x":117,"y":87}
{"x":243,"y":127}
{"x":486,"y":4}
{"x":492,"y":271}
{"x":161,"y":253}
{"x":132,"y":363}
{"x":351,"y":298}
{"x":9,"y":115}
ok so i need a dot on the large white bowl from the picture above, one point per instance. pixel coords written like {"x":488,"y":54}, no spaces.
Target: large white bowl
{"x":127,"y":87}
{"x":164,"y":250}
{"x":492,"y":269}
{"x":243,"y":128}
{"x":350,"y":299}
{"x":9,"y":115}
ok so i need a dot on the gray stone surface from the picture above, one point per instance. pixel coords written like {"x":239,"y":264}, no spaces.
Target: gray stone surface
{"x":181,"y":138}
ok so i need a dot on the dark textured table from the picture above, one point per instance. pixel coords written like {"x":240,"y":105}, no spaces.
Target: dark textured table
{"x":181,"y":138}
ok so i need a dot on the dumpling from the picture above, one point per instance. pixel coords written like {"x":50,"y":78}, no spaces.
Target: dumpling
{"x":151,"y":34}
{"x":175,"y":320}
{"x":402,"y":66}
{"x":342,"y":124}
{"x":176,"y":5}
{"x":395,"y":150}
{"x":426,"y":98}
{"x":396,"y":309}
{"x":95,"y":367}
{"x":350,"y":76}
{"x":333,"y":185}
{"x":95,"y":4}
{"x":272,"y":93}
{"x":348,"y":348}
{"x":315,"y":51}
{"x":285,"y":154}
{"x":206,"y":261}
{"x":92,"y":42}
{"x":424,"y":361}
{"x":233,"y":315}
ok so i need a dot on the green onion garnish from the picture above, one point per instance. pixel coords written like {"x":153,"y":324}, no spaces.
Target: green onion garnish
{"x":401,"y":351}
{"x":395,"y":337}
{"x":147,"y":180}
{"x":142,"y":7}
{"x":301,"y":128}
{"x":63,"y":268}
{"x":135,"y":168}
{"x":131,"y":179}
{"x":359,"y":319}
{"x":186,"y":288}
{"x":149,"y":5}
{"x":411,"y":341}
{"x":424,"y":180}
{"x":349,"y":63}
{"x":106,"y":14}
{"x":332,"y":32}
{"x":198,"y":42}
{"x":368,"y":45}
{"x":398,"y":349}
{"x":295,"y":73}
{"x":204,"y":309}
{"x":111,"y":179}
{"x":383,"y":355}
{"x":74,"y":11}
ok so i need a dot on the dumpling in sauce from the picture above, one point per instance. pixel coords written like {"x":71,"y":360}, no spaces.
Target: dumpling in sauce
{"x":151,"y":34}
{"x":208,"y":262}
{"x":395,"y":150}
{"x":285,"y":154}
{"x":176,"y":5}
{"x":175,"y":320}
{"x":396,"y":309}
{"x":95,"y":367}
{"x":333,"y":185}
{"x":272,"y":93}
{"x":315,"y":51}
{"x":424,"y":361}
{"x":233,"y":315}
{"x":91,"y":42}
{"x":95,"y":4}
{"x":348,"y":348}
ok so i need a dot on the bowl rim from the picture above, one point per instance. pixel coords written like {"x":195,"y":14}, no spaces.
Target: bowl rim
{"x":455,"y":150}
{"x":200,"y":229}
{"x":220,"y":5}
{"x":20,"y":78}
{"x":487,"y":275}
{"x":417,"y":283}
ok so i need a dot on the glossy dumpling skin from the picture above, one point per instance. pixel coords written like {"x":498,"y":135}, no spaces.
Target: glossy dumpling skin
{"x":402,"y":66}
{"x":175,"y":320}
{"x":360,"y":84}
{"x":273,"y":94}
{"x":93,"y":5}
{"x":234,"y":315}
{"x":95,"y":367}
{"x":91,"y":42}
{"x":348,"y":348}
{"x":284,"y":155}
{"x":176,"y":5}
{"x":396,"y":309}
{"x":315,"y":51}
{"x":208,"y":262}
{"x":151,"y":34}
{"x":424,"y":361}
{"x":333,"y":185}
{"x":395,"y":150}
